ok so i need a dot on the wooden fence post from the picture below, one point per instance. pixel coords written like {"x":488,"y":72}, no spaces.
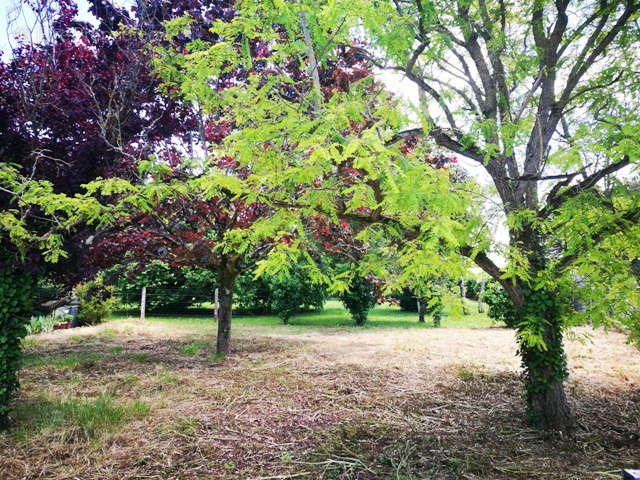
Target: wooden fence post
{"x":215,"y":306}
{"x":143,"y":303}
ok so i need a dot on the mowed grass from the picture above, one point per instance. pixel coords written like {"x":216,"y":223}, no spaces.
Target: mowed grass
{"x":317,"y":399}
{"x":334,"y":316}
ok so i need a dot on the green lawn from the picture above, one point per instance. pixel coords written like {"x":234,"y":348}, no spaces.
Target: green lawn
{"x":333,"y":316}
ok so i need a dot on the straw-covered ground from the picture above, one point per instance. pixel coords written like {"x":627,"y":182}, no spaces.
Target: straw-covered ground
{"x":129,"y":400}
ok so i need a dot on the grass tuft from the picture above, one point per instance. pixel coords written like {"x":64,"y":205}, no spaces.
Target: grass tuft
{"x":140,"y":357}
{"x":74,"y":418}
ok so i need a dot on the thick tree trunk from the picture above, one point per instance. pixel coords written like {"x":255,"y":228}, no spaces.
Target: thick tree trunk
{"x":545,"y":366}
{"x":544,"y":373}
{"x":227,"y":278}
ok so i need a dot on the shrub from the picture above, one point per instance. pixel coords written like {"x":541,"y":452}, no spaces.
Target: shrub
{"x":407,"y":300}
{"x":16,"y":293}
{"x":501,"y":308}
{"x":432,"y":303}
{"x":40,"y":324}
{"x":295,"y":294}
{"x":360,"y":298}
{"x":472,"y":287}
{"x":252,"y":295}
{"x":96,"y":301}
{"x":281,"y":296}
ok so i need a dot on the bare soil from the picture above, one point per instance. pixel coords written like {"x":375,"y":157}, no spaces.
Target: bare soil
{"x":375,"y":404}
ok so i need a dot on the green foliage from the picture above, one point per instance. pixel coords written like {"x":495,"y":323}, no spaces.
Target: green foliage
{"x":472,"y":287}
{"x":40,"y":324}
{"x":295,"y":293}
{"x":16,"y":294}
{"x":540,"y":347}
{"x":96,"y":301}
{"x":501,"y":307}
{"x":283,"y":295}
{"x":252,"y":295}
{"x":169,"y":289}
{"x":359,"y":298}
{"x":432,"y":303}
{"x":407,"y":300}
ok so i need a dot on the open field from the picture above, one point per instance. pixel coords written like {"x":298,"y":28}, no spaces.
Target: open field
{"x":317,"y":399}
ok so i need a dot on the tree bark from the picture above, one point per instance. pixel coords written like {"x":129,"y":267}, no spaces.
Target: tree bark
{"x":545,"y":372}
{"x":421,"y":309}
{"x":545,"y":367}
{"x":480,"y":295}
{"x":227,"y":275}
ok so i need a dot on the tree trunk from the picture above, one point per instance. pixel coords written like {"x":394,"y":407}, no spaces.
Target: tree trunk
{"x":463,"y":296}
{"x":421,"y":309}
{"x":480,"y":295}
{"x":227,"y":278}
{"x":544,"y":373}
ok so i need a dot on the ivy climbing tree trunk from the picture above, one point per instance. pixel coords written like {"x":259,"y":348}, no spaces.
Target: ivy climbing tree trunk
{"x":545,"y":371}
{"x":541,"y":343}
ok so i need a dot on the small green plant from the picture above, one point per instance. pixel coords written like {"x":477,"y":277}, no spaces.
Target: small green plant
{"x":75,"y":360}
{"x":219,"y":357}
{"x":140,"y":357}
{"x":29,"y":342}
{"x":41,"y":324}
{"x":116,"y":350}
{"x":166,"y":377}
{"x":96,"y":301}
{"x":191,"y":349}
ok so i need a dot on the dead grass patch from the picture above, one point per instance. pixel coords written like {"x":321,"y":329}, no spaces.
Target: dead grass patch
{"x":419,"y":404}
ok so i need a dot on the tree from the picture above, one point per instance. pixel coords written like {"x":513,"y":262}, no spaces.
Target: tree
{"x":543,"y":97}
{"x":79,"y":102}
{"x":172,"y":218}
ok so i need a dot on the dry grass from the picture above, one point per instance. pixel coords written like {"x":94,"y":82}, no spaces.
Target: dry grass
{"x":401,"y":404}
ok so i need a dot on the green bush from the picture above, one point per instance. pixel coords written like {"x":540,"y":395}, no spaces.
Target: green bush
{"x":295,"y":294}
{"x":16,"y":294}
{"x":472,"y":287}
{"x":432,"y":303}
{"x":169,"y":289}
{"x":252,"y":296}
{"x":96,"y":301}
{"x":359,"y":299}
{"x":281,"y":296}
{"x":40,"y":324}
{"x":501,"y":307}
{"x":407,"y":300}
